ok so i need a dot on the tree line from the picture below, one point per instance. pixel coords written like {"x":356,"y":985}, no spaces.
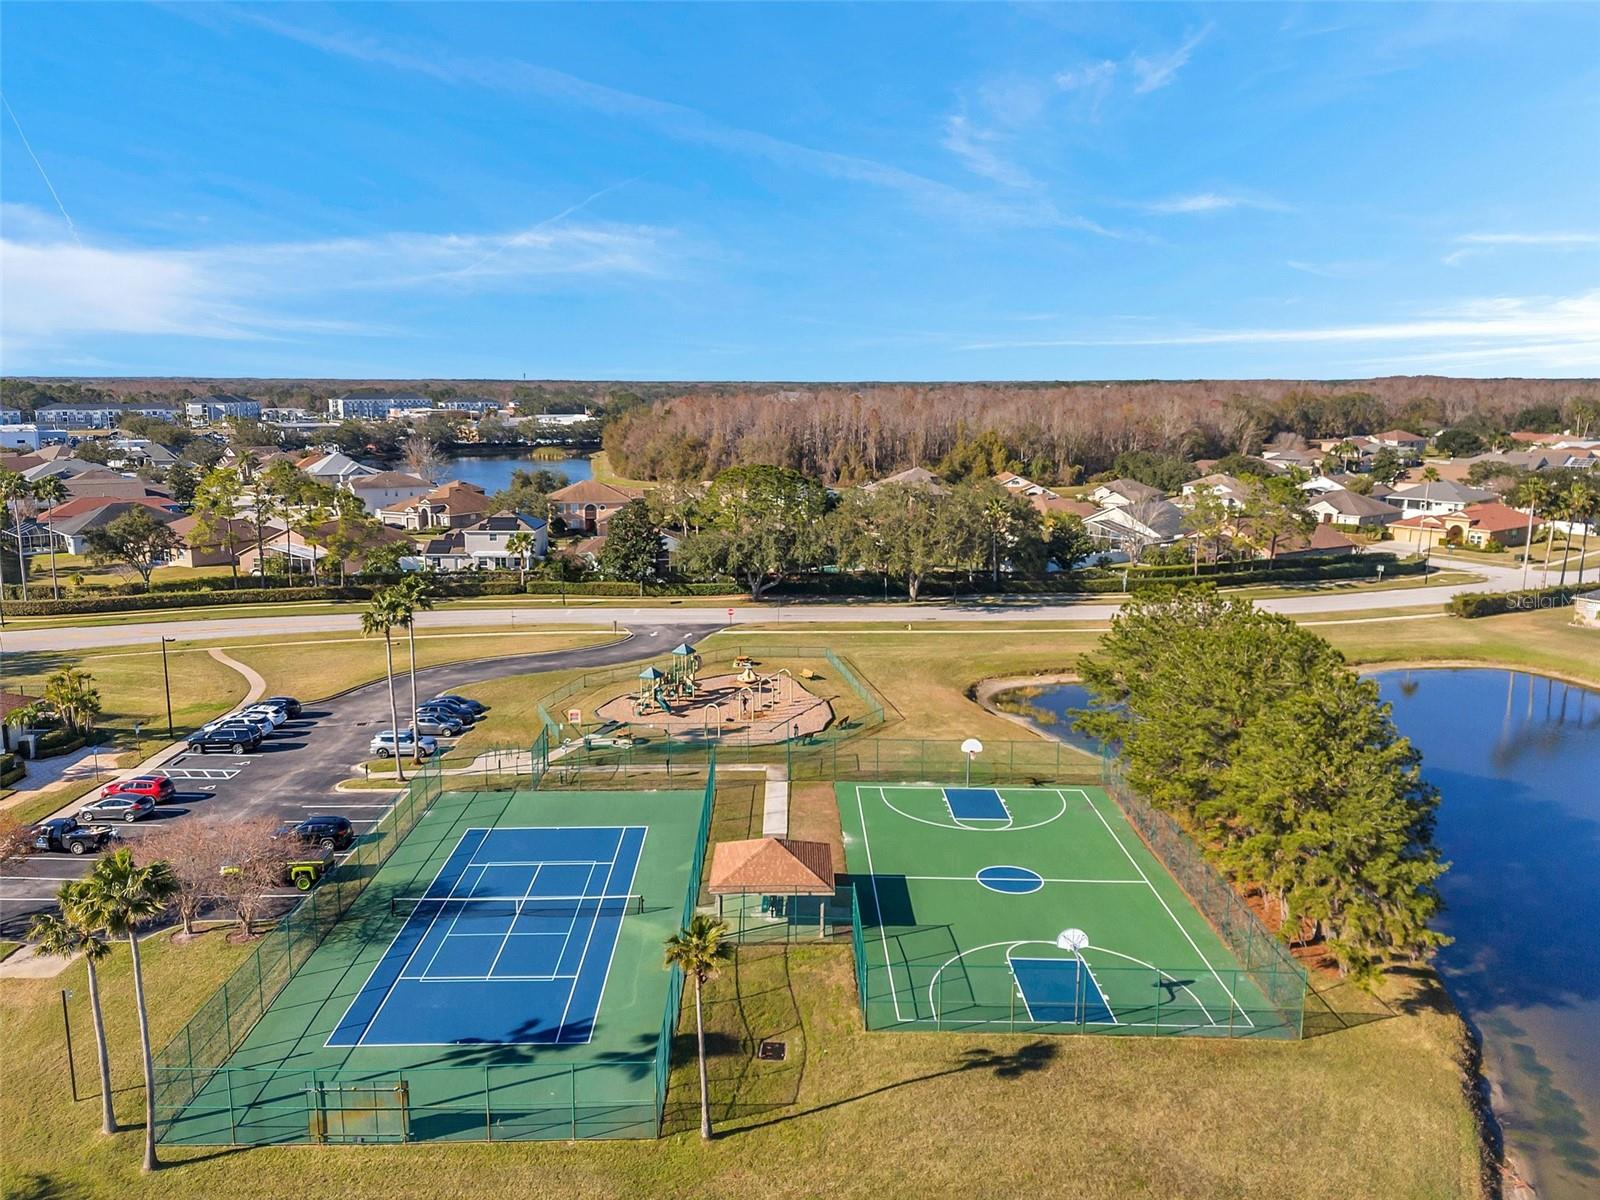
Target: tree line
{"x":1281,"y":763}
{"x":1056,"y":433}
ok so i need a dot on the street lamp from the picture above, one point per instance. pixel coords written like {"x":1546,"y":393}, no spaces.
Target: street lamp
{"x":166,"y":681}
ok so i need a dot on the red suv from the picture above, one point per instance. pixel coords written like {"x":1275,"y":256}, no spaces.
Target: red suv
{"x":158,"y":787}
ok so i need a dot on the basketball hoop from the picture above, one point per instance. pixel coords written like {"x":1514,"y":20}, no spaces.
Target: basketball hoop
{"x":1075,"y":940}
{"x":972,"y":747}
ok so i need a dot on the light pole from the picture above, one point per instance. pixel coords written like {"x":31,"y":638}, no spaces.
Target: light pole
{"x":166,"y":682}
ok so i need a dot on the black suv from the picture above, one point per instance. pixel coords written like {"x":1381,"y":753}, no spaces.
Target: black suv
{"x":288,"y":703}
{"x":331,"y":833}
{"x":234,"y":739}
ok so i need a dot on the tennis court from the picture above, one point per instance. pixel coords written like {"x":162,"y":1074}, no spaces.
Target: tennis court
{"x":499,"y":977}
{"x":1037,"y":909}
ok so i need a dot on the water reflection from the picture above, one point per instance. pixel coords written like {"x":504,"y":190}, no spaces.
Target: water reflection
{"x":1516,"y":758}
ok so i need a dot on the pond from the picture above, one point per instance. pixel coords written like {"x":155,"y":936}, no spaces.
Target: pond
{"x":492,"y":472}
{"x":1516,"y":758}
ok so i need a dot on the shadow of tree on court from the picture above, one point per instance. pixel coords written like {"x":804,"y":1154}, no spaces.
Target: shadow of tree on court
{"x":1025,"y":1060}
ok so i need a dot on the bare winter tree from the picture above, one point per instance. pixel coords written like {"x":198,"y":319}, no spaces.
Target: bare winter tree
{"x":196,"y":852}
{"x":424,"y":457}
{"x":254,"y":866}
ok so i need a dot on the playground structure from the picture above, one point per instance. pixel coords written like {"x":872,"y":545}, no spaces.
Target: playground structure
{"x":753,"y":706}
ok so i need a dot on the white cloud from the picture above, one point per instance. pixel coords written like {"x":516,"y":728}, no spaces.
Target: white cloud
{"x":1152,"y":72}
{"x":1210,"y":202}
{"x":976,"y":147}
{"x":1478,"y":243}
{"x":1092,"y":83}
{"x":56,"y":289}
{"x":1547,"y":333}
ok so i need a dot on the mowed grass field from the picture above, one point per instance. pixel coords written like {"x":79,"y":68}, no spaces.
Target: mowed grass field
{"x":1374,"y":1110}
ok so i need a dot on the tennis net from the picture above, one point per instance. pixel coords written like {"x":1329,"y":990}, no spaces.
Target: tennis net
{"x":597,"y":905}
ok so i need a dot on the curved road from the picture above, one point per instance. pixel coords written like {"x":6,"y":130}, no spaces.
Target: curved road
{"x":689,"y":621}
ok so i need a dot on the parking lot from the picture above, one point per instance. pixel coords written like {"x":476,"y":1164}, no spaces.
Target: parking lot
{"x":294,"y":772}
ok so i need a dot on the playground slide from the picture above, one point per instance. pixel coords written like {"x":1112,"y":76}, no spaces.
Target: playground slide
{"x":661,"y":699}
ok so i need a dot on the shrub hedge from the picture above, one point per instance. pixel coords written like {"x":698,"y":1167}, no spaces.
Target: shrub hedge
{"x":1493,"y":604}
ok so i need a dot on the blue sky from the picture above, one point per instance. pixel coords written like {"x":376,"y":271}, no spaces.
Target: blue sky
{"x":800,"y":192}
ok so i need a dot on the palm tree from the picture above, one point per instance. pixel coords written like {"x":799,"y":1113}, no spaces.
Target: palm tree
{"x":699,"y":951}
{"x":413,"y":598}
{"x":63,"y":937}
{"x":49,"y":492}
{"x":1533,"y":493}
{"x":521,"y":544}
{"x":388,"y":609}
{"x":120,"y":896}
{"x":1583,"y":501}
{"x":15,"y":491}
{"x":1430,"y":476}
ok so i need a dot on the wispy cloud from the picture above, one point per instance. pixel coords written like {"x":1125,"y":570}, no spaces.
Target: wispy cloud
{"x":1562,"y":332}
{"x":1329,"y":270}
{"x":1091,"y":83}
{"x":1469,"y":244}
{"x":978,"y":148}
{"x":517,"y":77}
{"x":58,"y":289}
{"x":1155,"y":71}
{"x":1211,"y":202}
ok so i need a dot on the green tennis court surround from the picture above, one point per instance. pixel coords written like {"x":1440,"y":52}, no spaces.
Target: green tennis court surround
{"x":495,"y":975}
{"x":970,"y":900}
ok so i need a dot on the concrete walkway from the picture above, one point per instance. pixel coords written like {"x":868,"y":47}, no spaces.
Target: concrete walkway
{"x":257,"y":685}
{"x":28,"y":963}
{"x":775,"y":805}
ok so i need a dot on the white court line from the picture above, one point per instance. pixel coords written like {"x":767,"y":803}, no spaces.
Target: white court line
{"x":877,"y":903}
{"x":526,"y":892}
{"x":587,"y":941}
{"x":1160,"y":900}
{"x":974,"y":879}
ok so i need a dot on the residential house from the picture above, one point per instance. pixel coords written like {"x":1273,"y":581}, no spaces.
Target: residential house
{"x":100,"y":482}
{"x":386,"y":489}
{"x":1324,"y":541}
{"x":1120,"y":493}
{"x":333,"y":467}
{"x":1019,"y":485}
{"x":291,"y":548}
{"x":1053,"y":505}
{"x":375,"y":404}
{"x":10,"y":416}
{"x":588,"y":505}
{"x":483,"y":546}
{"x":917,"y":477}
{"x":209,"y":546}
{"x":1233,"y":492}
{"x":1437,"y":496}
{"x":71,"y":521}
{"x":1286,"y":460}
{"x":453,"y":505}
{"x":222,"y":406}
{"x":141,"y":452}
{"x":1409,"y":445}
{"x":1474,"y":525}
{"x":1351,"y":510}
{"x":1127,"y":530}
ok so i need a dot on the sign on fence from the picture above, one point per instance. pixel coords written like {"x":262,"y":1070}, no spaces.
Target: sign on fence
{"x":574,"y":716}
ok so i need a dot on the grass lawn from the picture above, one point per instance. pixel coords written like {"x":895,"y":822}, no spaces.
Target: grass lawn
{"x":1371,"y":1110}
{"x":600,"y":464}
{"x":7,"y":949}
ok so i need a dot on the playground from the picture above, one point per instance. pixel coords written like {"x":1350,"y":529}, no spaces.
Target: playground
{"x":757,"y":706}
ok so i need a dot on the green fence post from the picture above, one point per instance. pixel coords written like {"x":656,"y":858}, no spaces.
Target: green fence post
{"x":573,"y":1077}
{"x":233,"y":1122}
{"x":488,"y":1110}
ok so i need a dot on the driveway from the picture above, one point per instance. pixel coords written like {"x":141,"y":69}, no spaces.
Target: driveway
{"x":294,"y":773}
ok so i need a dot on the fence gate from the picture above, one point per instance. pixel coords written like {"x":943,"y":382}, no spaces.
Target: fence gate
{"x":359,"y":1112}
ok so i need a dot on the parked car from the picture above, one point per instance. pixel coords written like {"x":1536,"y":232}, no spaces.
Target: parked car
{"x":288,"y":703}
{"x":64,"y":834}
{"x":473,"y":706}
{"x":233,"y":739}
{"x":260,"y":724}
{"x":383,"y":744}
{"x":157,"y":787}
{"x":331,"y":833}
{"x":459,"y":711}
{"x":121,"y":806}
{"x":438,"y":723}
{"x":267,"y":712}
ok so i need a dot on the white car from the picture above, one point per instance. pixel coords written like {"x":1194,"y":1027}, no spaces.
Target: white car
{"x":383,"y":744}
{"x":260,"y":724}
{"x":276,"y":716}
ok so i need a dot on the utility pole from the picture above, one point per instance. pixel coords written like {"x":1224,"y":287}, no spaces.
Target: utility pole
{"x":166,"y":681}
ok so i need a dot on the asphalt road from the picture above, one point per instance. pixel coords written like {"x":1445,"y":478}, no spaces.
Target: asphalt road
{"x":695,"y":621}
{"x":295,"y":771}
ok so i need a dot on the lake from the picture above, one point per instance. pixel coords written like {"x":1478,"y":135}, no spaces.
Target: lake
{"x":493,"y":472}
{"x":1516,"y":759}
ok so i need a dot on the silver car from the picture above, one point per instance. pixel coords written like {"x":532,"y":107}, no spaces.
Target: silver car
{"x":383,"y":744}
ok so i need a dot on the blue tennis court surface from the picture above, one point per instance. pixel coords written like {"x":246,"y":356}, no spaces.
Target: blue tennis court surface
{"x":976,"y":804}
{"x":1053,"y":991}
{"x":511,"y":943}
